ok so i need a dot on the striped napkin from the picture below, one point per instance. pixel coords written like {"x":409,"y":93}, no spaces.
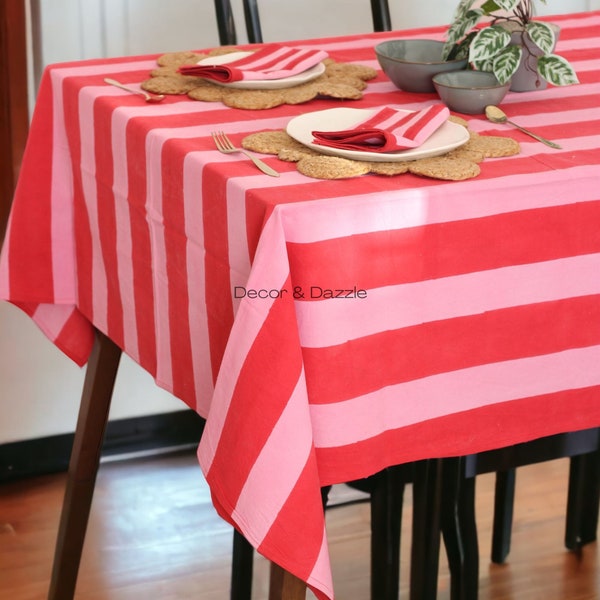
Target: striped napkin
{"x":270,"y":62}
{"x":388,"y":130}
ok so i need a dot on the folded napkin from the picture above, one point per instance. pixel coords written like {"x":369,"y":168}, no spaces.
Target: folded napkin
{"x":271,"y":62}
{"x":388,"y":130}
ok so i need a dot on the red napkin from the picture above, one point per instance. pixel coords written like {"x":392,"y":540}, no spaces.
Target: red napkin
{"x":271,"y":62}
{"x":388,"y":130}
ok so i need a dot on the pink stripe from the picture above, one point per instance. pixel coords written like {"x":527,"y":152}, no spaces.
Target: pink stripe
{"x":154,"y":199}
{"x":334,"y":321}
{"x":51,"y":318}
{"x":436,"y":204}
{"x":123,"y":224}
{"x":370,"y":415}
{"x":320,"y":576}
{"x":63,"y":242}
{"x":200,"y":344}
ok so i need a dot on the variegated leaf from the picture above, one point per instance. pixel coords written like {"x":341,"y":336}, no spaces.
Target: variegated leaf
{"x":458,"y":29}
{"x":484,"y":65}
{"x":462,"y":9}
{"x":488,"y":42}
{"x":506,"y":63}
{"x":556,"y":70}
{"x":541,"y":35}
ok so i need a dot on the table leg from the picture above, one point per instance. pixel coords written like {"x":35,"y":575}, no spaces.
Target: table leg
{"x":83,"y":467}
{"x":285,"y":586}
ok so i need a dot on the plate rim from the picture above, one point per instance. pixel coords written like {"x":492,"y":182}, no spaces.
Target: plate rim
{"x":401,"y":156}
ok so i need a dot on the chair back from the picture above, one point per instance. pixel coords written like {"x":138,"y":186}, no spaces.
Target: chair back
{"x":380,"y":11}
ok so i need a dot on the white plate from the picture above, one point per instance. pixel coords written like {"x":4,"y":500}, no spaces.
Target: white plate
{"x":261,"y":84}
{"x":449,"y":136}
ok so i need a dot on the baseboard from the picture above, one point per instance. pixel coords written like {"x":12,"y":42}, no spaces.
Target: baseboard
{"x":40,"y":456}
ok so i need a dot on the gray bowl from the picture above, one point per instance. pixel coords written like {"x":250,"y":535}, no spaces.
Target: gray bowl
{"x":410,"y":64}
{"x":469,"y":92}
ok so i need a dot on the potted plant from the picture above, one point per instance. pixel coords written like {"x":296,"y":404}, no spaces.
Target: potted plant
{"x":512,"y":41}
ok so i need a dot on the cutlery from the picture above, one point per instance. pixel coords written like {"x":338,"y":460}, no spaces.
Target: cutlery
{"x":224,"y":145}
{"x":496,"y":115}
{"x":148,"y":97}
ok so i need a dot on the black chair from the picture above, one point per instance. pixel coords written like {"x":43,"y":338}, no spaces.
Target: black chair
{"x":227,"y":33}
{"x":458,"y":500}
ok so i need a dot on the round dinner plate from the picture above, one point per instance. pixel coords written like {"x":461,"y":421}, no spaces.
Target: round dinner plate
{"x":261,"y":84}
{"x":449,"y":136}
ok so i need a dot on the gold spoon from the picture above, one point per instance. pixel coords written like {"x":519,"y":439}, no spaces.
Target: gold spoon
{"x":495,"y":115}
{"x":148,"y":97}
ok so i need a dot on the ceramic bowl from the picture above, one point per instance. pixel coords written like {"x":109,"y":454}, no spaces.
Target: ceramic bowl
{"x":469,"y":91}
{"x":410,"y":64}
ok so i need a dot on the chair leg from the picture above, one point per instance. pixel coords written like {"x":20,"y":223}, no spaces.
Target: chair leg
{"x":381,"y":15}
{"x":252,"y":18}
{"x":427,"y":495}
{"x":386,"y":520}
{"x":583,"y":500}
{"x":504,"y":499}
{"x":459,"y":530}
{"x":83,"y":467}
{"x":225,"y":23}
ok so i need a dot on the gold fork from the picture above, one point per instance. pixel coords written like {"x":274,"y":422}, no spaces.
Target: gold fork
{"x":224,"y":145}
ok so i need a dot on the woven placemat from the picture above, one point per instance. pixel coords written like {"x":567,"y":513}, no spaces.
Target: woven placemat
{"x":343,"y":81}
{"x":456,"y":165}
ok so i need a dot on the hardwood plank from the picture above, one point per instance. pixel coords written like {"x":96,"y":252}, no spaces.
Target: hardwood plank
{"x":153,"y":533}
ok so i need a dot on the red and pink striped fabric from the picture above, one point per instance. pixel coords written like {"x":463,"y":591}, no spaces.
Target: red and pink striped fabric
{"x":325,"y":329}
{"x":270,"y":62}
{"x":387,"y":130}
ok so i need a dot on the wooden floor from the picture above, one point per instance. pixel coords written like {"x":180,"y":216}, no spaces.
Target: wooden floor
{"x":154,"y":536}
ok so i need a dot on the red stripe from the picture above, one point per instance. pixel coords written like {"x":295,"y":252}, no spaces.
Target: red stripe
{"x":30,"y":272}
{"x":141,"y":249}
{"x":219,"y":305}
{"x":176,"y":249}
{"x":451,"y":248}
{"x":371,"y":363}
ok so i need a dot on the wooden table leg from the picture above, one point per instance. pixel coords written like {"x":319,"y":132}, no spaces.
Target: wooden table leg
{"x":83,"y":467}
{"x":285,"y":586}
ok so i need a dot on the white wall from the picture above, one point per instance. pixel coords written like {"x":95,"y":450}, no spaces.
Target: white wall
{"x":39,"y":387}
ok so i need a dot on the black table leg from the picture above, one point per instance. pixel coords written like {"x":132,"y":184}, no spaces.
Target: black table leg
{"x":83,"y":467}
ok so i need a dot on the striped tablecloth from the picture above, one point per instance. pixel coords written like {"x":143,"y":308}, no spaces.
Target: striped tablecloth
{"x":473,"y":316}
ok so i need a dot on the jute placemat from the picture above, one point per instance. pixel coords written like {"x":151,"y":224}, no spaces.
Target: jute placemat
{"x":343,"y":81}
{"x":456,"y":165}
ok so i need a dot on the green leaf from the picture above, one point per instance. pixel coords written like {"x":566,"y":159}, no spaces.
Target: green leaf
{"x":556,"y":70}
{"x":488,"y":42}
{"x":506,"y":63}
{"x":542,"y":36}
{"x":489,"y":7}
{"x":508,"y":5}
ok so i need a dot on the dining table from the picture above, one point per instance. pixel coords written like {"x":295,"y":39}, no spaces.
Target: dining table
{"x":325,"y":329}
